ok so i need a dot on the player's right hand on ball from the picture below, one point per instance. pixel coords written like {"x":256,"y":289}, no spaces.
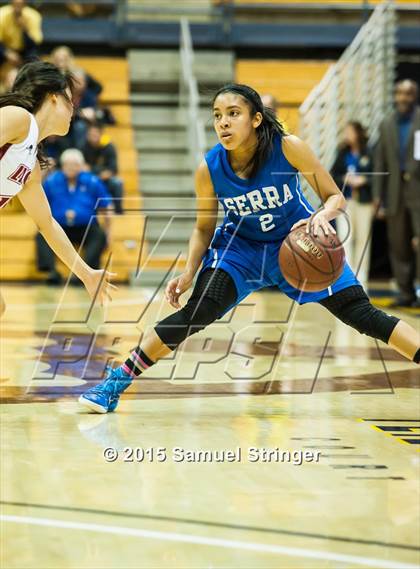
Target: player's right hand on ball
{"x":176,"y":287}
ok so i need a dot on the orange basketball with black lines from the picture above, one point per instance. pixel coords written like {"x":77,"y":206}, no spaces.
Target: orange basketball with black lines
{"x":311,"y":263}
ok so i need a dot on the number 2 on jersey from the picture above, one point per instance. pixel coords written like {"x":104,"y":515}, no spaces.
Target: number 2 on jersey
{"x":266,"y":222}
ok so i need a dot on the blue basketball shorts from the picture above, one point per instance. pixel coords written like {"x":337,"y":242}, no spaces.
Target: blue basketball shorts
{"x":254,"y":265}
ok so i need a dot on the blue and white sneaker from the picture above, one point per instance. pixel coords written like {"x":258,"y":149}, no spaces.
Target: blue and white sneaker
{"x":104,"y":397}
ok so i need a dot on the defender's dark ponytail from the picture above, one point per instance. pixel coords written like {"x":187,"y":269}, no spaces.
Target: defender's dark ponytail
{"x":267,"y":130}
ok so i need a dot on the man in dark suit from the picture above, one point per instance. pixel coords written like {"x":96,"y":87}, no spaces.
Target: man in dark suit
{"x":397,"y":157}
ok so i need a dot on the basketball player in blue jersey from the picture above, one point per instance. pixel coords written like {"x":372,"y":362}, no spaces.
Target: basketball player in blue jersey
{"x":253,"y":173}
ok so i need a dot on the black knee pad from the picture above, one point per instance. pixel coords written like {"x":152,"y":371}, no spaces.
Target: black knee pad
{"x":353,"y":307}
{"x":214,"y":291}
{"x":216,"y":284}
{"x":189,"y":320}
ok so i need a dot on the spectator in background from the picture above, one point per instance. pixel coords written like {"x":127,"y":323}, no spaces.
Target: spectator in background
{"x":20,"y":33}
{"x":272,"y":103}
{"x":101,"y":157}
{"x":79,"y":10}
{"x":8,"y":80}
{"x":85,"y":97}
{"x":75,"y":196}
{"x":87,"y":110}
{"x":398,"y":192}
{"x":63,"y":57}
{"x":85,"y":105}
{"x":54,"y":146}
{"x":352,"y":173}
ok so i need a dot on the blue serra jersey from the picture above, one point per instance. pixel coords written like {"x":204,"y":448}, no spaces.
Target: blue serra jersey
{"x":265,"y":207}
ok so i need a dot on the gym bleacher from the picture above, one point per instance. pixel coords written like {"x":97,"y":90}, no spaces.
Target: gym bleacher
{"x":289,"y":81}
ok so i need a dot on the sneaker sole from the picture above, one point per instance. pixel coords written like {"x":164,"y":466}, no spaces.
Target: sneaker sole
{"x":91,"y":405}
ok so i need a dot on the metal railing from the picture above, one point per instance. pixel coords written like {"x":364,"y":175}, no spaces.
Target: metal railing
{"x":189,"y":98}
{"x":357,"y":87}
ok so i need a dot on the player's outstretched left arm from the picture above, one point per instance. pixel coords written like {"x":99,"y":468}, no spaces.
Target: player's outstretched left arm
{"x":34,"y":201}
{"x":300,"y":155}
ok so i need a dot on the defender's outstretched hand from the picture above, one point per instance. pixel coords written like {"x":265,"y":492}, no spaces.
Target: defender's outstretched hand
{"x":98,"y":286}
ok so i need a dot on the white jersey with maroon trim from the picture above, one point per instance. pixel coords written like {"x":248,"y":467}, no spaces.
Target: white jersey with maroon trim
{"x":17,"y":162}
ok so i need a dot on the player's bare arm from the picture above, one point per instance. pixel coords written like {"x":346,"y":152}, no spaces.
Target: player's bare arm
{"x":301,"y":156}
{"x":34,"y":201}
{"x":201,"y":236}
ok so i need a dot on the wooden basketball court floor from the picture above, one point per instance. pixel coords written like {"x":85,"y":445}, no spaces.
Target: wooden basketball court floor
{"x":268,"y":376}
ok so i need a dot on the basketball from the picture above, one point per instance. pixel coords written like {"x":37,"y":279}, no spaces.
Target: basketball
{"x":311,"y":263}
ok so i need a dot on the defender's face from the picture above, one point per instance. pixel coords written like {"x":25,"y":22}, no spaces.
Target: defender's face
{"x":63,"y":113}
{"x":232,"y":120}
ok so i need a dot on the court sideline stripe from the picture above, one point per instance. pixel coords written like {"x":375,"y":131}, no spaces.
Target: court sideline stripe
{"x":210,"y":524}
{"x":209,"y":541}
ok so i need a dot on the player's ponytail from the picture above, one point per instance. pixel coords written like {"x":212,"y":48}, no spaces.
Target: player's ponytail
{"x":33,"y":83}
{"x":267,"y":130}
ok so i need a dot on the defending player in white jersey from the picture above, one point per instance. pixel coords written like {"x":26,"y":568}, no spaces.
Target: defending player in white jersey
{"x":40,"y":105}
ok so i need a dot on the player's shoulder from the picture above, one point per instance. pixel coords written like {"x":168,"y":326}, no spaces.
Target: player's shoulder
{"x":202,"y":172}
{"x":294,"y":149}
{"x":17,"y":121}
{"x":14,"y":112}
{"x":213,"y":153}
{"x":203,"y":179}
{"x":291,"y":142}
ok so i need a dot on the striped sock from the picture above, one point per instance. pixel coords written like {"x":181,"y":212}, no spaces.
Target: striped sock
{"x":137,"y":363}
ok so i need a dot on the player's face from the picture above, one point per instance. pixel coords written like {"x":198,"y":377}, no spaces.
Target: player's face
{"x":233,"y":122}
{"x":63,"y":113}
